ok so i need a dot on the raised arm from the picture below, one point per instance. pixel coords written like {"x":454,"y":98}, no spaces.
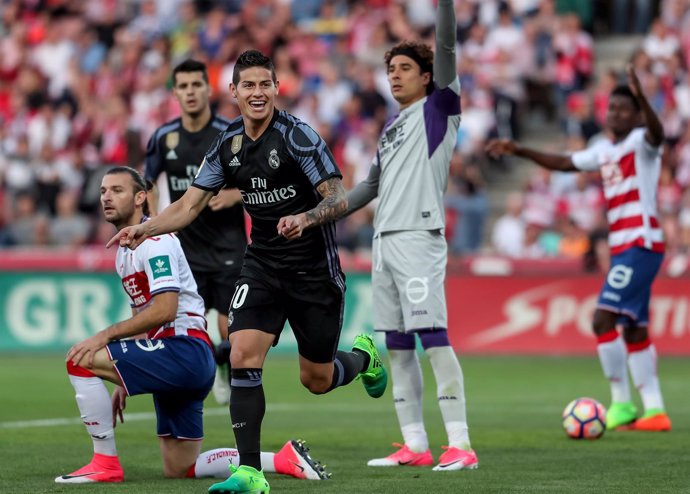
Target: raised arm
{"x":444,"y":57}
{"x":655,"y":130}
{"x":499,"y":147}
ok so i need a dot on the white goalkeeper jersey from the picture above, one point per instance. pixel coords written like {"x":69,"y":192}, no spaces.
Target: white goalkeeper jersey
{"x":630,"y":172}
{"x":158,"y":265}
{"x":414,"y":158}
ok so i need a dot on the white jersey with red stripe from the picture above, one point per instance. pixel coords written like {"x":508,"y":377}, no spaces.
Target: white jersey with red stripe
{"x":158,"y":265}
{"x":630,"y":174}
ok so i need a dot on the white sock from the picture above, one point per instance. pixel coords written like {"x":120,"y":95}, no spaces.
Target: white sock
{"x":450,"y":390}
{"x":643,"y":370}
{"x":215,"y":462}
{"x":612,"y":355}
{"x":94,"y":405}
{"x":406,"y":373}
{"x":267,"y":463}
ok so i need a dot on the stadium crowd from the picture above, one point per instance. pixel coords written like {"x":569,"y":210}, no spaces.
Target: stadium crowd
{"x":83,"y":85}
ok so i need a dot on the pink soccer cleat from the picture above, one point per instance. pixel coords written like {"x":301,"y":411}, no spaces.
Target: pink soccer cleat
{"x":102,"y":468}
{"x":293,"y":459}
{"x":404,"y":457}
{"x":456,"y":459}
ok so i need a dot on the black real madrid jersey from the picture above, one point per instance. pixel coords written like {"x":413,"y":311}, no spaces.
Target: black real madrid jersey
{"x":277,"y":175}
{"x":215,"y":239}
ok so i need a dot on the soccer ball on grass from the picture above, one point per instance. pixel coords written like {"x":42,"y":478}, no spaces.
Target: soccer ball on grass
{"x":584,"y":418}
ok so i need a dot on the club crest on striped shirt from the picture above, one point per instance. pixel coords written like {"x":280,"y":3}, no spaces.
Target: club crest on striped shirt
{"x":273,"y":159}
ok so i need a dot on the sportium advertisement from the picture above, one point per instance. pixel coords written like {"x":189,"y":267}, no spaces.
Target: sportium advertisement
{"x":543,"y":314}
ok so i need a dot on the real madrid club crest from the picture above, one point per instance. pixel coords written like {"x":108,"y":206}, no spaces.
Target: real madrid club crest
{"x":236,"y":144}
{"x":172,"y":139}
{"x":273,"y":159}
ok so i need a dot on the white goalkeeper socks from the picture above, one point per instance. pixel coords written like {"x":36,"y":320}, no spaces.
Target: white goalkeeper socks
{"x":450,"y":390}
{"x":408,"y":388}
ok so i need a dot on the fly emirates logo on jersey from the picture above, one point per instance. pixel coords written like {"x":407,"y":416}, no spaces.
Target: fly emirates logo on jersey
{"x":180,"y":184}
{"x":261,"y":194}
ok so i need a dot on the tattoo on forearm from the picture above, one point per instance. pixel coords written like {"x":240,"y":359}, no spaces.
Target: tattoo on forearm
{"x":334,"y":203}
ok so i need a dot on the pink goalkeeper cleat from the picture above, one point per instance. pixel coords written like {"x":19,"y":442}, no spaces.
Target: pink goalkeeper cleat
{"x":404,"y":457}
{"x":102,"y":468}
{"x":456,"y":459}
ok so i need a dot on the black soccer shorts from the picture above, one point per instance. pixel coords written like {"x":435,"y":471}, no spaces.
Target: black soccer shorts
{"x":314,"y":310}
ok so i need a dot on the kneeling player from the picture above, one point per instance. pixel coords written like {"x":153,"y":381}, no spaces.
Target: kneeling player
{"x":174,"y":362}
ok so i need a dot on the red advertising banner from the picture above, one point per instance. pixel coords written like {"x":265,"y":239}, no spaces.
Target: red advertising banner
{"x":552,"y":314}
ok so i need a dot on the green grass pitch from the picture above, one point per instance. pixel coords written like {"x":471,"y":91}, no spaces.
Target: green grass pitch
{"x":514,"y":407}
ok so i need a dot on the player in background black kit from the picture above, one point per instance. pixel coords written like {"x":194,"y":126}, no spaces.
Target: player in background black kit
{"x":291,"y":188}
{"x":214,"y":243}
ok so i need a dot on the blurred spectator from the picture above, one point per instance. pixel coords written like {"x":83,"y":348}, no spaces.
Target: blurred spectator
{"x":574,"y":57}
{"x":598,"y":258}
{"x":580,"y":121}
{"x":84,"y":86}
{"x":540,"y":201}
{"x":332,"y":93}
{"x":574,"y":242}
{"x":532,"y":247}
{"x":27,"y":224}
{"x":660,"y":45}
{"x":69,"y":228}
{"x":468,"y":199}
{"x":508,"y":235}
{"x":684,"y":223}
{"x":584,"y":203}
{"x":506,"y":71}
{"x":642,"y":13}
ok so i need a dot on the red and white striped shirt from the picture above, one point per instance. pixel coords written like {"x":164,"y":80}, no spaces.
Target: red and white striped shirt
{"x":158,"y":265}
{"x":630,"y":173}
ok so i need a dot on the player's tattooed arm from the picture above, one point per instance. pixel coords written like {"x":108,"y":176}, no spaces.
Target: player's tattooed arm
{"x":332,"y":207}
{"x":334,"y":203}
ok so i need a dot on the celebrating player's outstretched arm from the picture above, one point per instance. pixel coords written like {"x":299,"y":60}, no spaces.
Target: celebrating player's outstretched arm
{"x":173,"y":218}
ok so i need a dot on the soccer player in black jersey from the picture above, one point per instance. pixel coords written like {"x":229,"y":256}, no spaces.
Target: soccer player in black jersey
{"x":215,"y":241}
{"x":291,"y":188}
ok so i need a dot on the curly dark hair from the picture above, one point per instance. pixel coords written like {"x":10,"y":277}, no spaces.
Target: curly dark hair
{"x":419,"y":52}
{"x":252,"y":58}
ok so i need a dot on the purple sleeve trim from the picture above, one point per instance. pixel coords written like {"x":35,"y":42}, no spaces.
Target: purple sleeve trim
{"x":439,"y":105}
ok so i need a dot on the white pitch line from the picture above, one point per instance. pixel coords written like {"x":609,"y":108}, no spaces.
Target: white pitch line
{"x":208,"y":412}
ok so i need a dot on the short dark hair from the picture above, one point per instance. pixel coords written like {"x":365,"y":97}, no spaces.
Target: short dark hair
{"x":140,"y":185}
{"x":624,"y":90}
{"x":190,"y":65}
{"x":252,"y":58}
{"x":419,"y":52}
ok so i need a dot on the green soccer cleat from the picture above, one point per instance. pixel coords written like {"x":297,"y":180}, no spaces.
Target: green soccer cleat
{"x":375,"y":377}
{"x":242,"y":480}
{"x":620,"y":415}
